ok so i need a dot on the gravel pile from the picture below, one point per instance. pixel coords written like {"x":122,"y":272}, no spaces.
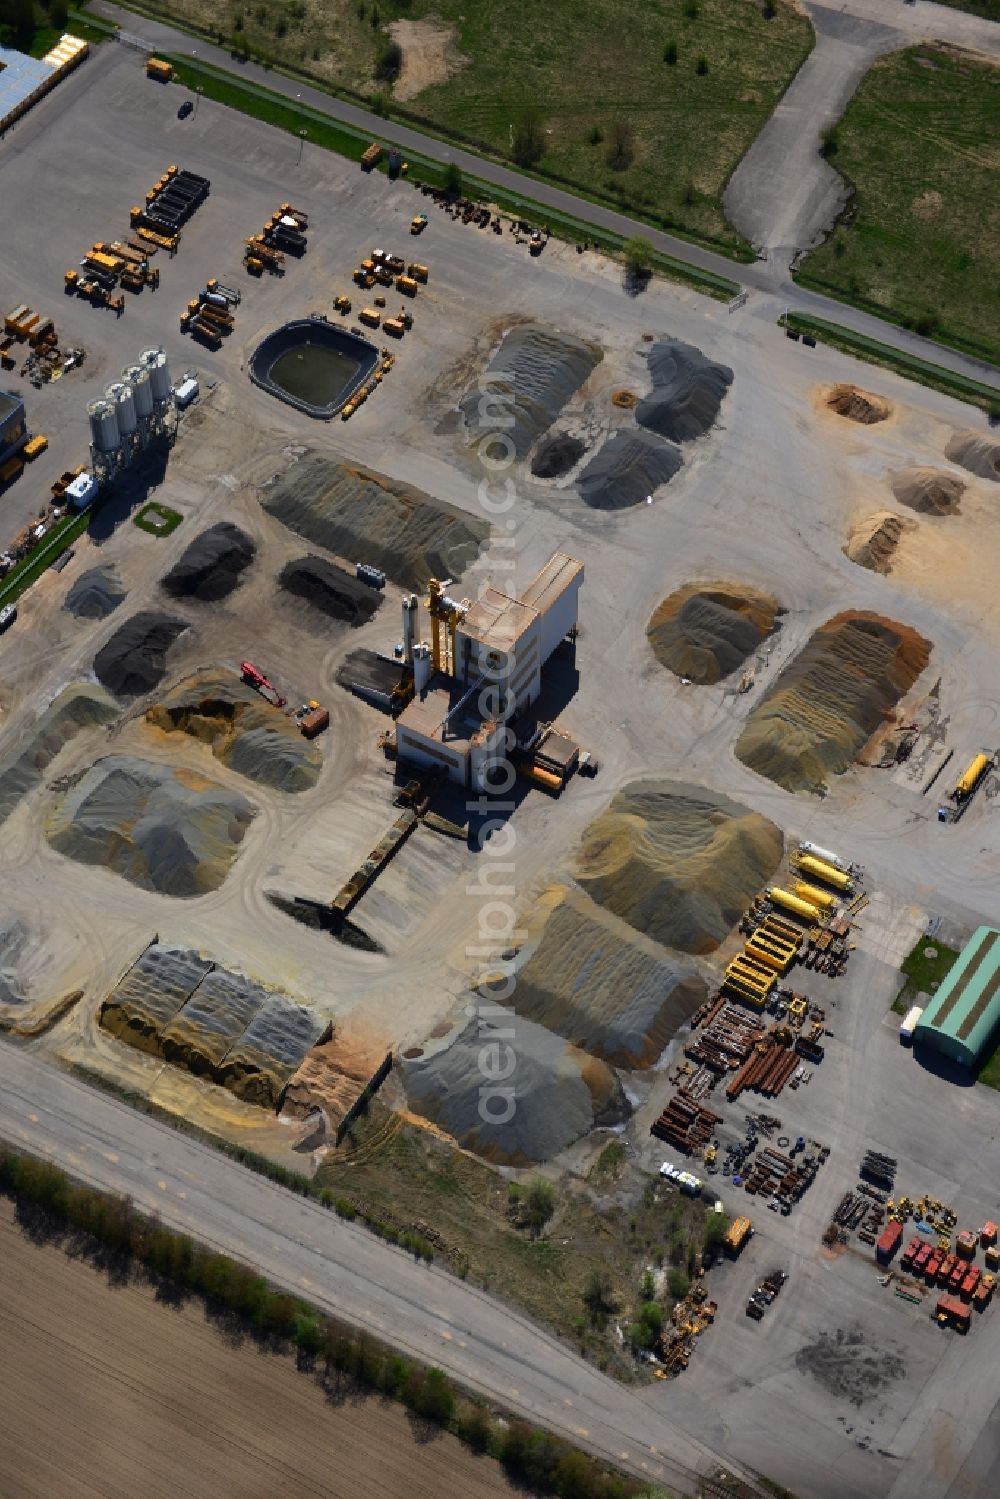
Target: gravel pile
{"x":928,"y":490}
{"x":627,"y":469}
{"x":133,"y":661}
{"x":16,"y":943}
{"x":150,"y":995}
{"x":211,"y":1021}
{"x":873,"y":541}
{"x":688,"y":390}
{"x":557,"y":455}
{"x":365,"y":517}
{"x":705,"y":631}
{"x":589,"y":976}
{"x":331,"y":589}
{"x":96,"y":593}
{"x":678,"y":862}
{"x":530,"y":378}
{"x":556,"y":1093}
{"x":78,"y":707}
{"x":212,"y":565}
{"x":258,"y":1065}
{"x":243,"y":730}
{"x":858,"y":405}
{"x":830,"y":699}
{"x":980,"y":455}
{"x":167,"y":830}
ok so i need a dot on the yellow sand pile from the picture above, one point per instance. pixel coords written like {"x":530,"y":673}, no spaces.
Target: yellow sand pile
{"x":705,"y":631}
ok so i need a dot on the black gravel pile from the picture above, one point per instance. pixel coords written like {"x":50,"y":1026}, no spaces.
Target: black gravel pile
{"x":134,"y":659}
{"x":95,"y":594}
{"x":331,"y":590}
{"x":212,"y":565}
{"x":688,"y":390}
{"x":556,"y":456}
{"x":627,"y":469}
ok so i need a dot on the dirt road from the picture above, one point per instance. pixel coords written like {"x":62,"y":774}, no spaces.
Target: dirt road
{"x":89,"y":1409}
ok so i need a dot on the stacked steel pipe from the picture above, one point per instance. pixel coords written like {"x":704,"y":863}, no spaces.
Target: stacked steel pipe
{"x":685,"y":1123}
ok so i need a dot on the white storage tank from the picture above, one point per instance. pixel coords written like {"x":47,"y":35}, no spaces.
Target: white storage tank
{"x":908,"y":1024}
{"x":155,"y":361}
{"x":103,"y":426}
{"x":121,"y":395}
{"x":142,"y":391}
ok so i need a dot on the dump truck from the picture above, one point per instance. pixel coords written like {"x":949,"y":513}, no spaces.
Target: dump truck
{"x":418,"y":223}
{"x":971,"y":1280}
{"x":371,"y":316}
{"x":417,"y":271}
{"x":737,"y":1234}
{"x":113,"y":264}
{"x":222,"y":318}
{"x":394,"y":326}
{"x":372,"y":156}
{"x":342,"y":304}
{"x":382,"y":275}
{"x":407,"y":285}
{"x":158,"y":69}
{"x":314,"y":722}
{"x":208,"y":333}
{"x":947,"y":1268}
{"x":983,"y":1291}
{"x":34,"y":446}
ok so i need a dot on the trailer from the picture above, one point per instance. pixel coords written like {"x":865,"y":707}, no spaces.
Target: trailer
{"x":888,"y":1242}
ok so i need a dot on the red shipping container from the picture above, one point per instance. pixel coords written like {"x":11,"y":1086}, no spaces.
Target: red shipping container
{"x":988,"y":1235}
{"x":888,"y":1242}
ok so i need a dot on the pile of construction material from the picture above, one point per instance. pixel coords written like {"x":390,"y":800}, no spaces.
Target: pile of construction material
{"x":728,"y":1036}
{"x":777,"y":1175}
{"x":978,"y":454}
{"x":209,"y":316}
{"x":283,"y":234}
{"x":43,"y":361}
{"x":704,"y":632}
{"x":688,"y":390}
{"x":532,"y":375}
{"x":685,"y":1123}
{"x":78,"y":707}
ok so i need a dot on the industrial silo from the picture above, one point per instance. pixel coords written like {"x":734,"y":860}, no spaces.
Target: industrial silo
{"x":142,"y":392}
{"x":121,"y":396}
{"x":104,"y":435}
{"x":155,"y":361}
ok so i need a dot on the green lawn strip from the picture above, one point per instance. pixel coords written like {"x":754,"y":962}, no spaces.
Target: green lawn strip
{"x":273,"y":109}
{"x":146,"y":519}
{"x":62,"y":535}
{"x":110,"y":1232}
{"x":92,"y":28}
{"x":923,"y":975}
{"x":908,"y":365}
{"x":920,"y":242}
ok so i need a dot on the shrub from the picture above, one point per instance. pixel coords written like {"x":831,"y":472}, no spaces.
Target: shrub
{"x":389,"y":61}
{"x":621,"y":145}
{"x":678,"y":1283}
{"x":596,"y":135}
{"x":539,"y":1204}
{"x":829,"y":142}
{"x":528,"y":145}
{"x":670,"y":53}
{"x":475,"y":1427}
{"x":691,"y":10}
{"x":598,"y":1296}
{"x":453,"y":180}
{"x":701,"y":66}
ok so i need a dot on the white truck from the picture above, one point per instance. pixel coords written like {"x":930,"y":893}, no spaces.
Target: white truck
{"x":908,"y":1024}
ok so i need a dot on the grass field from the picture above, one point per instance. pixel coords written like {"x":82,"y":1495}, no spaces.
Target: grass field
{"x":923,"y":974}
{"x":920,"y":143}
{"x":683,"y":126}
{"x":111,"y":1391}
{"x":625,"y":1224}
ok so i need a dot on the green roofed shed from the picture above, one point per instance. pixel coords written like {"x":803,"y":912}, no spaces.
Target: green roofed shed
{"x":961,"y":1019}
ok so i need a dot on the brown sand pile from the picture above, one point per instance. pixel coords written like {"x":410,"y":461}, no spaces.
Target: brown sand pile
{"x":242,"y":730}
{"x":258,"y":1065}
{"x":678,"y":862}
{"x":554,"y":1094}
{"x":858,"y":405}
{"x":872,"y":542}
{"x":79,"y":707}
{"x":830,"y":699}
{"x":705,"y":631}
{"x":587,"y":975}
{"x":150,"y":995}
{"x":168,"y":830}
{"x":332,"y":1077}
{"x":980,"y":455}
{"x":365,"y":517}
{"x":928,"y":490}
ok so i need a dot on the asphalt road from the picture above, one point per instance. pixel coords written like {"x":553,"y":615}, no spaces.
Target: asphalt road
{"x":769,"y":276}
{"x":306,"y":1249}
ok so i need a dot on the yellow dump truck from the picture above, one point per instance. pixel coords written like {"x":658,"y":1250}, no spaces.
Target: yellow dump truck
{"x":407,"y":285}
{"x":417,"y":271}
{"x":371,"y":316}
{"x":34,"y":446}
{"x":158,"y":69}
{"x":101,"y":262}
{"x":372,"y":157}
